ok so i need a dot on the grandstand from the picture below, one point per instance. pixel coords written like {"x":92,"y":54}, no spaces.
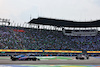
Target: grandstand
{"x":54,"y":35}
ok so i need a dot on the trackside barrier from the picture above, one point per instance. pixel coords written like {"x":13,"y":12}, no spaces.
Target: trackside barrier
{"x":21,"y":50}
{"x":54,"y":51}
{"x":62,"y":51}
{"x":93,"y":51}
{"x":46,"y":51}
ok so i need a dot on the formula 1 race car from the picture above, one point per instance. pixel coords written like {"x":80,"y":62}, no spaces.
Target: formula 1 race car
{"x":82,"y":56}
{"x":24,"y":57}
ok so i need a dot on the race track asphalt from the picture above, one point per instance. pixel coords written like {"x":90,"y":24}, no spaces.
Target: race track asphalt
{"x":91,"y":61}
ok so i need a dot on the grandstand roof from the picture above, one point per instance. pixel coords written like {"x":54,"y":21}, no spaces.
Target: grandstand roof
{"x":64,"y":23}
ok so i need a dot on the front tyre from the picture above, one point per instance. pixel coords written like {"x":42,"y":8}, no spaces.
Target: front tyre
{"x":87,"y":57}
{"x":38,"y":59}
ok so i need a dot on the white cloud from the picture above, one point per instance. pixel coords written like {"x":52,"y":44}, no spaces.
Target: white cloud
{"x":20,"y":10}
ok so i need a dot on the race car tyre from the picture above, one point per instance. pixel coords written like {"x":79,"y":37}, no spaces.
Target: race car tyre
{"x":33,"y":59}
{"x":87,"y":57}
{"x":76,"y":57}
{"x":13,"y":59}
{"x":38,"y":59}
{"x":28,"y":59}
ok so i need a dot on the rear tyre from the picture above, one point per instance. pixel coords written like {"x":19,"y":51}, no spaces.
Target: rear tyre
{"x":77,"y":58}
{"x":13,"y":59}
{"x":33,"y":59}
{"x":29,"y":59}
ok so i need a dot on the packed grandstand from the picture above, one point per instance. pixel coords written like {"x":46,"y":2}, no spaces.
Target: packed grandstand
{"x":42,"y":39}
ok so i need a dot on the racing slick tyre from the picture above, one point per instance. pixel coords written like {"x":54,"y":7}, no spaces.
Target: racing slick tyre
{"x":38,"y":59}
{"x":87,"y":57}
{"x":28,"y":59}
{"x":77,"y":58}
{"x":33,"y":59}
{"x":13,"y":59}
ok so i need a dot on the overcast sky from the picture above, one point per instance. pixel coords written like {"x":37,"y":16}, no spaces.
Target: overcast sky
{"x":20,"y":11}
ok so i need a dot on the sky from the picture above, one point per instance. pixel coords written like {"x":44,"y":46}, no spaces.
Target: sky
{"x":21,"y":11}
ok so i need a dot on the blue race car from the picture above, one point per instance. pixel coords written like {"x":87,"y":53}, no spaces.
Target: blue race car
{"x":24,"y":57}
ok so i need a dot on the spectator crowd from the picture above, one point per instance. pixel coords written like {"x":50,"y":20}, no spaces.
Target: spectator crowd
{"x":30,"y":38}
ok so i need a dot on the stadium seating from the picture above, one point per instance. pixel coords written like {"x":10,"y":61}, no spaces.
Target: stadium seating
{"x":30,"y":38}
